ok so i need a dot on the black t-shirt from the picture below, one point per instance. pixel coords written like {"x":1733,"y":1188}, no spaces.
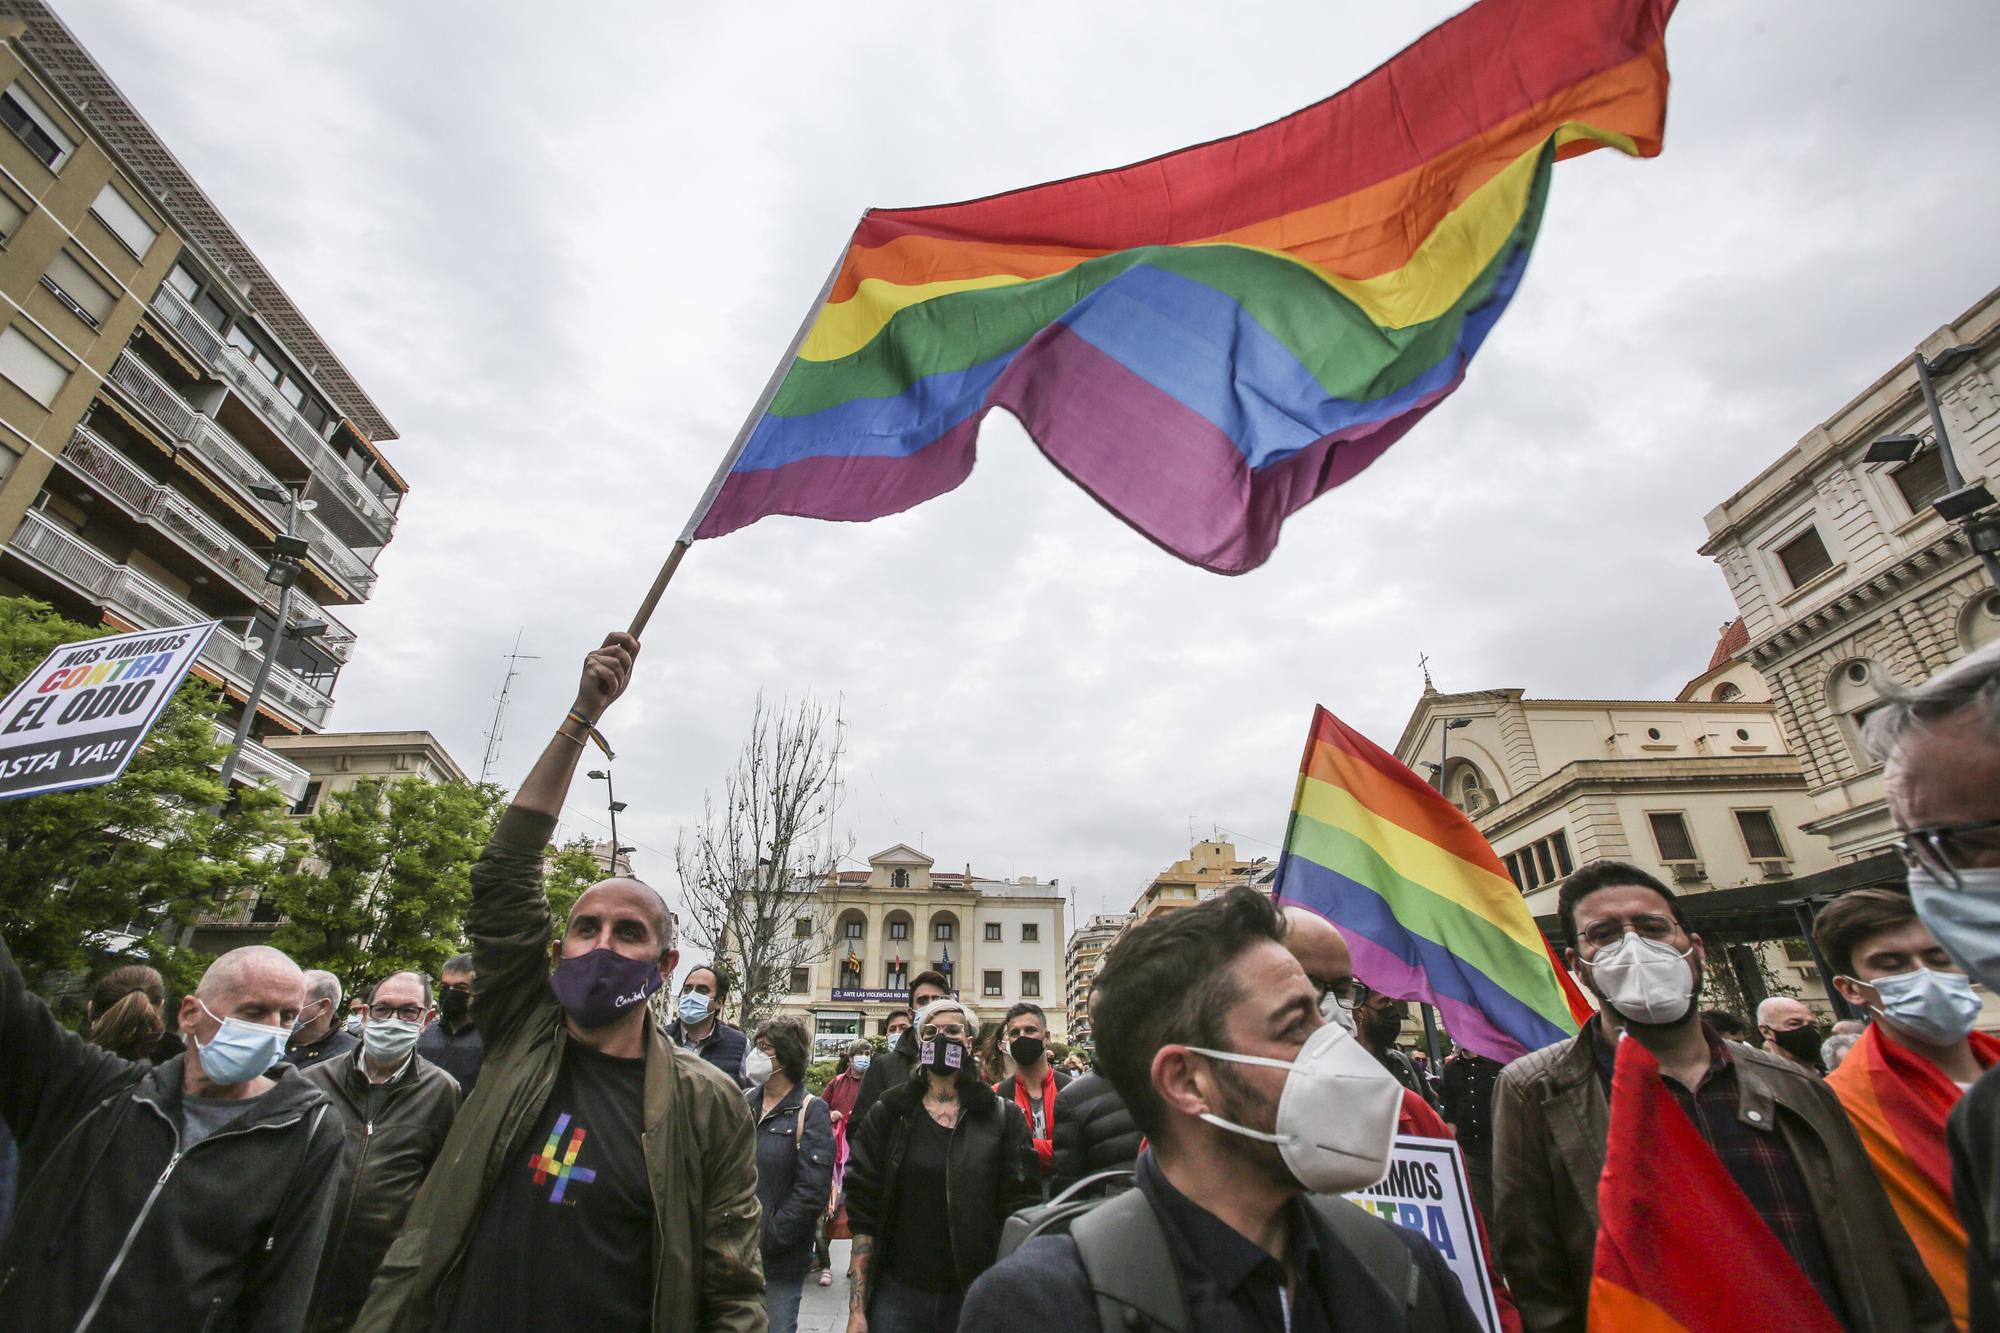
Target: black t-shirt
{"x":920,"y":1232}
{"x":566,"y":1240}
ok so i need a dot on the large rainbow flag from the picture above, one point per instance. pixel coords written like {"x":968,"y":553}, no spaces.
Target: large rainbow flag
{"x":1667,"y":1208}
{"x":1426,"y":907}
{"x":1207,"y":340}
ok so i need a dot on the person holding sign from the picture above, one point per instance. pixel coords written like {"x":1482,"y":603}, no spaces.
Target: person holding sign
{"x":602,"y":1177}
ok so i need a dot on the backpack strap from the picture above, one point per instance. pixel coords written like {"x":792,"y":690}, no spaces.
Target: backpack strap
{"x":1387,"y":1258}
{"x":799,"y":1129}
{"x":1129,"y":1267}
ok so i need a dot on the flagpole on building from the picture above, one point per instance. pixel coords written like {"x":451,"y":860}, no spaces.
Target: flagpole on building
{"x":763,"y":404}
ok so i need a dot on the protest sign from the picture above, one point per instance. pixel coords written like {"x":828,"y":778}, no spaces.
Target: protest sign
{"x":1425,"y":1191}
{"x":77,"y":719}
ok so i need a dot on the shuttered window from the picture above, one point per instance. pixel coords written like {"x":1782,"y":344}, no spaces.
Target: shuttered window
{"x":1670,"y":835}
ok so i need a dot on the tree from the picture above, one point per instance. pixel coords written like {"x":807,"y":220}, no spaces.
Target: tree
{"x":571,"y":868}
{"x":121,"y":866}
{"x":752,"y":870}
{"x":387,"y":879}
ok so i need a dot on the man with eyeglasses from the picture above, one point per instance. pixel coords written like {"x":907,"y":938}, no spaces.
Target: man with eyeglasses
{"x":1776,"y":1129}
{"x":396,"y":1108}
{"x":1940,"y":747}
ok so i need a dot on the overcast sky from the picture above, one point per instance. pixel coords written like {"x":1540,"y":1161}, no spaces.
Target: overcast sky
{"x":563,"y":246}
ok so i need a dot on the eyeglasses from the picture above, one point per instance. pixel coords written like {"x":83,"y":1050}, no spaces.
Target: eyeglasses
{"x":1647,"y":926}
{"x":932,"y":1031}
{"x":409,"y":1013}
{"x":1938,"y":849}
{"x":1346,"y":993}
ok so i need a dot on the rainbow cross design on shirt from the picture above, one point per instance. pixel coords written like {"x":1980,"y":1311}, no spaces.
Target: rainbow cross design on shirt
{"x":564,"y":1170}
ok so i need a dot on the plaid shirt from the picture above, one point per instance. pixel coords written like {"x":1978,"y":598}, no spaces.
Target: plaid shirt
{"x":1756,"y":1157}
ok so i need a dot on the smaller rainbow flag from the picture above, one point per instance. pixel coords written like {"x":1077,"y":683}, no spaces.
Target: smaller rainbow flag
{"x":1666,"y":1207}
{"x":1423,"y":902}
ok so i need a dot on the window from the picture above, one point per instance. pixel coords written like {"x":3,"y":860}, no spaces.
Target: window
{"x":1670,"y":835}
{"x":941,"y":930}
{"x":1031,"y":985}
{"x":896,"y":976}
{"x":850,"y":976}
{"x":993,"y":930}
{"x":264,"y":911}
{"x":899,"y":879}
{"x":307,"y":800}
{"x":1031,"y":933}
{"x":1804,"y":557}
{"x":1560,"y":841}
{"x":184,"y":282}
{"x":899,"y":930}
{"x":81,"y":292}
{"x":800,"y":983}
{"x":11,"y":217}
{"x":1545,"y":860}
{"x":1797,"y":950}
{"x":1921,"y":480}
{"x":991,"y":985}
{"x":802,"y":928}
{"x":32,"y":370}
{"x":1727,"y":691}
{"x":124,"y":221}
{"x":1760,"y":835}
{"x":853,"y":930}
{"x":21,"y":113}
{"x":1541,"y":862}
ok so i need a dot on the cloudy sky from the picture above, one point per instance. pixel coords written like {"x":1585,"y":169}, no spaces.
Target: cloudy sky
{"x":563,"y":246}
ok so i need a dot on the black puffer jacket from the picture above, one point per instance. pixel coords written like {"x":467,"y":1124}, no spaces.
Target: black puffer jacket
{"x":116,"y":1226}
{"x":1094,"y":1132}
{"x":891,"y":1069}
{"x":990,"y":1172}
{"x":394,"y":1131}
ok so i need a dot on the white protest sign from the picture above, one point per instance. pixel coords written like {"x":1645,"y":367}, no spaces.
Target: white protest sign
{"x":1425,"y":1191}
{"x":77,"y":719}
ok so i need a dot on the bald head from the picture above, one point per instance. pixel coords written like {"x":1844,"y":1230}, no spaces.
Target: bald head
{"x":252,"y":967}
{"x":1319,"y":948}
{"x":1780,"y":1012}
{"x":636,"y":894}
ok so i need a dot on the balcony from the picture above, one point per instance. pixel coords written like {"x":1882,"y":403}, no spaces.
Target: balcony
{"x":118,"y":477}
{"x":140,"y":602}
{"x":217,"y":448}
{"x":329,"y":472}
{"x":263,"y":765}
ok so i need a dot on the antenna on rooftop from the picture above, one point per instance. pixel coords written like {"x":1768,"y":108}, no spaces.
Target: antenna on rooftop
{"x":495,"y":732}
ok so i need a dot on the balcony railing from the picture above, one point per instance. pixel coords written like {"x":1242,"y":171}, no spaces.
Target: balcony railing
{"x":255,"y":388}
{"x":117,"y":476}
{"x":221,"y":451}
{"x":139,"y":601}
{"x":265,"y":765}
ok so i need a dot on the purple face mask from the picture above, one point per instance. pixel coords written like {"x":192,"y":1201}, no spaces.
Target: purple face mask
{"x":601,"y":987}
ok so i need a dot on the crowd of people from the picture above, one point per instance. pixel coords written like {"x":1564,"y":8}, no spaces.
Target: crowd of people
{"x":525,"y":1144}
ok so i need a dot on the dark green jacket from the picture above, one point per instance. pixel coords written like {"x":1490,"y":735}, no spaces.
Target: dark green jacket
{"x":699,"y":1142}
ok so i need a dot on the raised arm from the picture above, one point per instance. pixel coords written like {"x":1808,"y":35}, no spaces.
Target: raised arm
{"x":509,"y":920}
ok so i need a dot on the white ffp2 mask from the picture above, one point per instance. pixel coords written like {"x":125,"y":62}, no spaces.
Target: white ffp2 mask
{"x":1644,"y":980}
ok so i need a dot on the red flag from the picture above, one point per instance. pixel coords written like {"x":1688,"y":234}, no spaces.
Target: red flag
{"x":1666,"y":1208}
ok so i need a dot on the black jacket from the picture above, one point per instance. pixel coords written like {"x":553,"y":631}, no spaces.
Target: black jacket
{"x":1468,"y":1101}
{"x":393,"y":1132}
{"x":989,"y":1172}
{"x":794,"y":1178}
{"x":1973,"y":1133}
{"x":111,"y":1212}
{"x":1094,"y":1132}
{"x":457,"y":1053}
{"x":891,"y":1069}
{"x":724,"y":1047}
{"x":334,"y":1043}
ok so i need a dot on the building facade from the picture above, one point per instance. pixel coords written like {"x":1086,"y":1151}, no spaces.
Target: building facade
{"x":1207,"y":869}
{"x":168,"y":418}
{"x":1081,"y":960}
{"x":999,"y":940}
{"x":1847,"y":578}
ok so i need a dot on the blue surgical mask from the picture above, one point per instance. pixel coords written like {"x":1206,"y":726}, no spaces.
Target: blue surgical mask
{"x":859,"y":1064}
{"x":239,"y":1051}
{"x":693,"y":1007}
{"x":1965,"y":920}
{"x":1937,"y":1007}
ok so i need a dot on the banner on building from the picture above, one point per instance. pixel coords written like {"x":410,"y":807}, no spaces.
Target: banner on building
{"x":78,"y":718}
{"x":1425,"y":1191}
{"x":853,"y":996}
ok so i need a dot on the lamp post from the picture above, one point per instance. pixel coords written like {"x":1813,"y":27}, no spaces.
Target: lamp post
{"x":611,"y":797}
{"x":1451,"y":724}
{"x":287,"y":551}
{"x":1970,"y":507}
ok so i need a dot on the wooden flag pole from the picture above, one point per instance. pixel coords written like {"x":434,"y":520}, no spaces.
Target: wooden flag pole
{"x":763,"y":405}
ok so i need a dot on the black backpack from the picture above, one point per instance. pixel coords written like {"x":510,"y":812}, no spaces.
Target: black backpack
{"x":1124,"y":1254}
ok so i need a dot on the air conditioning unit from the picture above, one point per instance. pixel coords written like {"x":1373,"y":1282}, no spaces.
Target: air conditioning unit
{"x":1688,"y":872}
{"x":1775,"y":869}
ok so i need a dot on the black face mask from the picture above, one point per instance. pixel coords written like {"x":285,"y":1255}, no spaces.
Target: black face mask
{"x":1027,"y":1050}
{"x":1383,"y":1026}
{"x":942,"y":1056}
{"x":1800,"y":1043}
{"x":454,"y":1005}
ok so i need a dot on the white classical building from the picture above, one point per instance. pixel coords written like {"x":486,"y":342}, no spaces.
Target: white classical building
{"x":999,"y":940}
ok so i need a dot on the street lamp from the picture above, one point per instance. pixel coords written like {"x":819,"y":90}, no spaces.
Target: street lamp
{"x":287,"y":550}
{"x":1961,"y":504}
{"x":1451,"y":724}
{"x":611,"y":796}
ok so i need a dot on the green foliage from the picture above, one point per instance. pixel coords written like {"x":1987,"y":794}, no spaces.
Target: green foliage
{"x":572,"y":868}
{"x":388,"y":877}
{"x":818,"y":1074}
{"x":81,"y":871}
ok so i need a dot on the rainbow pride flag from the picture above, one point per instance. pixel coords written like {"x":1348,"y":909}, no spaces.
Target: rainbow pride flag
{"x":1207,"y":340}
{"x":1424,"y":904}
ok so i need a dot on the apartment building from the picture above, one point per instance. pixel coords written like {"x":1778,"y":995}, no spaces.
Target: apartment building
{"x":1081,"y":960}
{"x":999,"y":940}
{"x":169,"y":420}
{"x":1208,"y":868}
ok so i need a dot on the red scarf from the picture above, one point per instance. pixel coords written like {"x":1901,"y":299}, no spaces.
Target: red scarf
{"x":1045,"y":1149}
